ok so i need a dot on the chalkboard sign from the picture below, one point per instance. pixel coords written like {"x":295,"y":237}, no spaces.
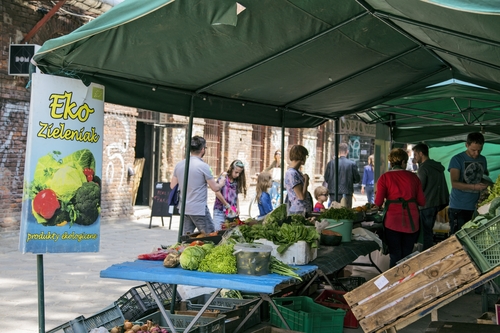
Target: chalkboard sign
{"x":160,"y":204}
{"x":160,"y":201}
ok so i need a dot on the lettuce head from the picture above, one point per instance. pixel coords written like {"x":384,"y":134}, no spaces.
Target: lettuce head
{"x":66,"y":181}
{"x":82,"y":158}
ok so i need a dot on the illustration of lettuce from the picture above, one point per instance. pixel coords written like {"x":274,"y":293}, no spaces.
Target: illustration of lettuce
{"x":66,"y":181}
{"x":82,"y":158}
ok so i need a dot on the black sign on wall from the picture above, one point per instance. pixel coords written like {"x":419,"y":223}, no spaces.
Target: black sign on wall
{"x":19,"y":58}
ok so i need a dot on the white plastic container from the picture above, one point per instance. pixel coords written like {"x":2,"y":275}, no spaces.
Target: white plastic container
{"x":299,"y":253}
{"x":252,"y":258}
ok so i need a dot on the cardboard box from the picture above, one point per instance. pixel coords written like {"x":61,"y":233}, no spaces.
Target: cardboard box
{"x":412,"y":284}
{"x":299,"y":253}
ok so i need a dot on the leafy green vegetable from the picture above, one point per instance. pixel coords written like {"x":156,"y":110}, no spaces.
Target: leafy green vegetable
{"x":83,"y":158}
{"x":278,"y":215}
{"x":219,"y":260}
{"x":191,"y":257}
{"x":279,"y":267}
{"x":342,"y":213}
{"x":65,"y":181}
{"x":494,"y":192}
{"x":87,"y":203}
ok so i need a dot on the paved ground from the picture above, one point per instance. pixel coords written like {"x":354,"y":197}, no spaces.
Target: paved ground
{"x":73,"y":287}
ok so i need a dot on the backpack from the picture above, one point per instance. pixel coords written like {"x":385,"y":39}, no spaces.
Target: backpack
{"x":173,"y":199}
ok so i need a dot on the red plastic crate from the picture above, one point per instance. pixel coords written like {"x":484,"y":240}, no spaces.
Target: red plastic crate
{"x":336,"y":295}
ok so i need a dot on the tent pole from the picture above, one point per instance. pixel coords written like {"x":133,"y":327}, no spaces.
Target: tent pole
{"x":336,"y":150}
{"x":189,"y":134}
{"x":282,"y":181}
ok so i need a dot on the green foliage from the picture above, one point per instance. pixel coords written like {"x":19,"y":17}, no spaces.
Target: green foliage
{"x":191,"y":257}
{"x":279,"y":267}
{"x":66,"y":181}
{"x":285,"y":236}
{"x":342,"y":213}
{"x":87,"y":203}
{"x":494,"y":192}
{"x":277,"y":215}
{"x":219,"y":260}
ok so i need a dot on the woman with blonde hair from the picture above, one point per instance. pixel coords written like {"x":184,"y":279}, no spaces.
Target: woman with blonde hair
{"x":264,"y":182}
{"x":400,"y":191}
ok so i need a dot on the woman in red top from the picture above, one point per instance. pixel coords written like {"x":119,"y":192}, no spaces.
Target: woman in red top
{"x":401,"y":193}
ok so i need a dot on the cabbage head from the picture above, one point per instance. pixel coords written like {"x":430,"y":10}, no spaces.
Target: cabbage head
{"x":82,"y":158}
{"x":191,"y":257}
{"x":66,"y":181}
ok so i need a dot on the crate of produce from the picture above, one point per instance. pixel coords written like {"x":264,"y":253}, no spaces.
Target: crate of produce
{"x":234,"y":309}
{"x":302,"y":314}
{"x":335,"y":299}
{"x":420,"y":280}
{"x":181,"y":322}
{"x":138,"y":301}
{"x":76,"y":325}
{"x":483,"y":244}
{"x":300,"y":253}
{"x":107,"y":318}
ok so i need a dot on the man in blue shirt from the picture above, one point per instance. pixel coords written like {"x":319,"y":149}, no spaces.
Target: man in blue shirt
{"x":466,"y":172}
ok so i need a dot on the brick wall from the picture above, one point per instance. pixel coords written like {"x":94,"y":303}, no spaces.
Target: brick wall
{"x":16,"y":20}
{"x":117,"y":156}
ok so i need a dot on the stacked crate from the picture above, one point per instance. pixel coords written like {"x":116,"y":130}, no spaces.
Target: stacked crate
{"x":412,"y":284}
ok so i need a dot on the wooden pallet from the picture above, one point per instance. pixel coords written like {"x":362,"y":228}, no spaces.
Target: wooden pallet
{"x":412,"y":284}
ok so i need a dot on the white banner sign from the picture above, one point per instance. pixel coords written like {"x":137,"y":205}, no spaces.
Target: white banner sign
{"x":356,"y":127}
{"x":62,"y":192}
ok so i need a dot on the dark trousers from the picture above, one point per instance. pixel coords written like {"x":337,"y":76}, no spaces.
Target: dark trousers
{"x":458,"y":217}
{"x":427,"y":220}
{"x":400,"y":244}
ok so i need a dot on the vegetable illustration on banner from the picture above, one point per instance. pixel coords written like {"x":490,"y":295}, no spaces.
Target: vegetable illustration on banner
{"x":62,"y":188}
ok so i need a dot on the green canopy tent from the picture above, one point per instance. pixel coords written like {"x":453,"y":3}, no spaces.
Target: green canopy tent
{"x":244,"y":61}
{"x":282,"y":63}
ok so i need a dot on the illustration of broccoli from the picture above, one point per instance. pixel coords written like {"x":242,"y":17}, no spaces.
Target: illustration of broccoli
{"x":87,"y":203}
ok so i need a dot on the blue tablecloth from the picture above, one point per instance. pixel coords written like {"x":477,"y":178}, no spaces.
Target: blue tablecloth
{"x":154,"y":271}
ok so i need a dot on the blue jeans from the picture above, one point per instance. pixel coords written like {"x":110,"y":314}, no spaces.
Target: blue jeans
{"x":370,"y":193}
{"x":458,"y":217}
{"x":427,"y":220}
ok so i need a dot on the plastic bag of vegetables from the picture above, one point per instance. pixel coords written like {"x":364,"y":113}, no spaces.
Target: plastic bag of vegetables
{"x":191,"y":257}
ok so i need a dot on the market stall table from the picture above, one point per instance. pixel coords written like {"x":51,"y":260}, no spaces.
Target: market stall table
{"x":154,"y":271}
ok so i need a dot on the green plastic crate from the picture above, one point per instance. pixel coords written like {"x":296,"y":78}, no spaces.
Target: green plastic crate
{"x":203,"y":324}
{"x":304,"y":315}
{"x":483,"y":244}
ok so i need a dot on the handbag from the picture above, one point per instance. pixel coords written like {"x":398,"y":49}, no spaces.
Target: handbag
{"x":173,"y":199}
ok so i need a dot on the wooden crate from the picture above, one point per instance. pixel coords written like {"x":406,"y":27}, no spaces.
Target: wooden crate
{"x":412,"y":284}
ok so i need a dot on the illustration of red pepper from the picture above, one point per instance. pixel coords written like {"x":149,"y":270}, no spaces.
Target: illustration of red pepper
{"x":45,"y":203}
{"x":89,"y":173}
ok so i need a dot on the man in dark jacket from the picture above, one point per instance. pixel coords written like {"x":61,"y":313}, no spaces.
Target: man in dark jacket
{"x":348,"y":175}
{"x":437,"y":197}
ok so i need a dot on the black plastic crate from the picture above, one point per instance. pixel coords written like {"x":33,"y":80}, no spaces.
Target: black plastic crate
{"x":138,"y":301}
{"x":234,"y":309}
{"x":107,"y":318}
{"x":348,"y":283}
{"x":181,"y":322}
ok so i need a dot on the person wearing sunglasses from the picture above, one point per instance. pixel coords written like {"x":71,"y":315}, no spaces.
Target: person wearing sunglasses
{"x":226,"y":204}
{"x":321,"y":195}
